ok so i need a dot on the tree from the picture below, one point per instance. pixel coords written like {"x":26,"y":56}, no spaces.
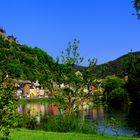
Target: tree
{"x":14,"y":69}
{"x":132,"y":68}
{"x":7,"y":107}
{"x":114,"y":92}
{"x":137,"y":7}
{"x":75,"y":92}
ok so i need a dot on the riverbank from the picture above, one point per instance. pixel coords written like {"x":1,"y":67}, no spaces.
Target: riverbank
{"x":25,"y":134}
{"x":34,"y":101}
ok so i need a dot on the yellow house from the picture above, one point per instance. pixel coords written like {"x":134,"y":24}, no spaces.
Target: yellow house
{"x":32,"y":92}
{"x":35,"y":92}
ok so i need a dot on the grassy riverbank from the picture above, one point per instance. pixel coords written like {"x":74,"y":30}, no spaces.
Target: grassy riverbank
{"x":34,"y":100}
{"x":24,"y":134}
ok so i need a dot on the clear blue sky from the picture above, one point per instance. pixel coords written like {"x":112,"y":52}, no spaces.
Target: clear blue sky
{"x":106,"y":29}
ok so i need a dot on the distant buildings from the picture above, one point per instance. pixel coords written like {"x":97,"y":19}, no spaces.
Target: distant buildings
{"x":10,"y":37}
{"x":29,"y":89}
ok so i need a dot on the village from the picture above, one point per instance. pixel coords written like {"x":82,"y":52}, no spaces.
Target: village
{"x":28,"y":89}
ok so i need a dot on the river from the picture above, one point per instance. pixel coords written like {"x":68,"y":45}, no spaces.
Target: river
{"x":100,"y":114}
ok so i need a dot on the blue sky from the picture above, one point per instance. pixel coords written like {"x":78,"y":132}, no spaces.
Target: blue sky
{"x":106,"y":29}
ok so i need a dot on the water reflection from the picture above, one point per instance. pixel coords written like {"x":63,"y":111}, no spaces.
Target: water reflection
{"x":134,"y":117}
{"x":44,"y":110}
{"x":37,"y":110}
{"x":95,"y":113}
{"x":99,"y":114}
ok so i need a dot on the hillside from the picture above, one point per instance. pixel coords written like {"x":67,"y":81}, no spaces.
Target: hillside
{"x":26,"y":63}
{"x":23,"y":62}
{"x":114,"y":67}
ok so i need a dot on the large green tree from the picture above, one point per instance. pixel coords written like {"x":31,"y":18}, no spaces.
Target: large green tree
{"x":114,"y":91}
{"x":132,"y":69}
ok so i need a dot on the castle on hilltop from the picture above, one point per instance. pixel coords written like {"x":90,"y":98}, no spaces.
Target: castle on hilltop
{"x":10,"y":37}
{"x":2,"y":32}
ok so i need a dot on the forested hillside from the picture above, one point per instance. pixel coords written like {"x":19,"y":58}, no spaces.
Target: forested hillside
{"x":115,"y":67}
{"x":26,"y":63}
{"x":23,"y":62}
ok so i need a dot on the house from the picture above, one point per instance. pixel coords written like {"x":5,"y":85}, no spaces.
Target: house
{"x":19,"y":92}
{"x":36,"y":90}
{"x":28,"y":88}
{"x":25,"y":86}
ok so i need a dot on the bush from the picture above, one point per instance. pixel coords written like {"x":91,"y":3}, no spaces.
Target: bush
{"x":118,"y":96}
{"x":114,"y":93}
{"x":7,"y":108}
{"x":68,"y":123}
{"x":88,"y":127}
{"x":27,"y":121}
{"x":60,"y":123}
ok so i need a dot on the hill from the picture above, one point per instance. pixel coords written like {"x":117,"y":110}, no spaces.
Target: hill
{"x":26,"y":63}
{"x":23,"y":62}
{"x":114,"y":67}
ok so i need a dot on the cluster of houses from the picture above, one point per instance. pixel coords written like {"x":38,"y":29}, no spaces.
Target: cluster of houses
{"x":29,"y":89}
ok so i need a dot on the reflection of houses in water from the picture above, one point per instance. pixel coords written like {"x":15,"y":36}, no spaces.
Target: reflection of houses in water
{"x":35,"y":110}
{"x":95,"y":113}
{"x":38,"y":111}
{"x":53,"y":110}
{"x":41,"y":111}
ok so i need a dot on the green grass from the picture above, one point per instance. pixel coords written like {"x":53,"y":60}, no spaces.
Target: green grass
{"x":24,"y":134}
{"x":34,"y":100}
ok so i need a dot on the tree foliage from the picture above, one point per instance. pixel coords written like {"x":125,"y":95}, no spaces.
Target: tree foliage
{"x":137,"y":7}
{"x":8,"y":106}
{"x":132,"y":68}
{"x":74,"y":93}
{"x":23,"y":62}
{"x":114,"y":93}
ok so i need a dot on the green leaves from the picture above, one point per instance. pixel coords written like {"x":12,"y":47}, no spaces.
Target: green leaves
{"x":71,"y":56}
{"x":75,"y":92}
{"x":8,"y":106}
{"x":24,"y":62}
{"x":137,"y":7}
{"x":114,"y":93}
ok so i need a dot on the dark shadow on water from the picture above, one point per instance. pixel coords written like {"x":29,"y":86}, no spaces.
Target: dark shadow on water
{"x":120,"y":116}
{"x":134,"y":117}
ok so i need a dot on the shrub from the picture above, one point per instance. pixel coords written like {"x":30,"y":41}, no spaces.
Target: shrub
{"x":114,"y":93}
{"x":68,"y":123}
{"x":7,"y":108}
{"x":118,"y":96}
